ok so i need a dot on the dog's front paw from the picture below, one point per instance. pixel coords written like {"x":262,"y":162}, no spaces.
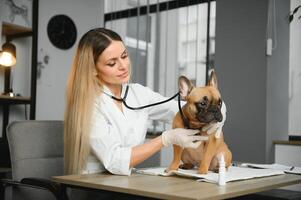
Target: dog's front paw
{"x":171,"y":168}
{"x":203,"y":170}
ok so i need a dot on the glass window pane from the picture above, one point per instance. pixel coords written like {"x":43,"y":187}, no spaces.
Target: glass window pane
{"x":164,"y":45}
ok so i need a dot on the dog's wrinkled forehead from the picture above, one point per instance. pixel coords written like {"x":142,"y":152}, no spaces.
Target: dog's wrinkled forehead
{"x":187,"y":90}
{"x":201,"y":94}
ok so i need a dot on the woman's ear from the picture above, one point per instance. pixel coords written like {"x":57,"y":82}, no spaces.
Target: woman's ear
{"x":185,"y":87}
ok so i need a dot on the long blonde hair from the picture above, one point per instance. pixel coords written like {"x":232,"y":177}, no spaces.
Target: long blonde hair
{"x":82,"y":88}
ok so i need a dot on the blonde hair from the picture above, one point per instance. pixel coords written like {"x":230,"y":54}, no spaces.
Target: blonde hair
{"x":82,"y":88}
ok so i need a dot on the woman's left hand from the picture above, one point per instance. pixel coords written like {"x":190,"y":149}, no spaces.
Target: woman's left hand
{"x":218,"y":126}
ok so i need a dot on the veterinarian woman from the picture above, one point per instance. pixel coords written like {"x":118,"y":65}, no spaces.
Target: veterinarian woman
{"x":100,"y":132}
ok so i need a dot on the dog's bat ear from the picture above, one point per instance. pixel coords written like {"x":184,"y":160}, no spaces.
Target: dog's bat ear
{"x":212,"y":79}
{"x":185,"y":87}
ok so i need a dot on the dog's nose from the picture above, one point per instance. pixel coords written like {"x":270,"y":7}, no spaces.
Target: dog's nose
{"x":218,"y":116}
{"x":213,"y":109}
{"x":217,"y":113}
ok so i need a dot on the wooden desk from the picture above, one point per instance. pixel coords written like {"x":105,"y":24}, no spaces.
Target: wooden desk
{"x":174,"y":187}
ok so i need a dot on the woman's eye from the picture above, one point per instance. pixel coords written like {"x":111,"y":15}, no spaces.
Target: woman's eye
{"x":124,"y":56}
{"x":111,"y":64}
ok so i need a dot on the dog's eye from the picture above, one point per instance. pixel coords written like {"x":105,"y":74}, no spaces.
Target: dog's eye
{"x":203,"y":103}
{"x":220,"y":102}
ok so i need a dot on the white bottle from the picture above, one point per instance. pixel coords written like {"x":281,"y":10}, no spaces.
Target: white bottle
{"x":222,"y":171}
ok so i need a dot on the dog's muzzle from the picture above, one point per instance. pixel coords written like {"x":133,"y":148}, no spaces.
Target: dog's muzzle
{"x":213,"y":113}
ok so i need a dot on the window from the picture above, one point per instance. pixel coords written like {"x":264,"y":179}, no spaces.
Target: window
{"x":165,"y":39}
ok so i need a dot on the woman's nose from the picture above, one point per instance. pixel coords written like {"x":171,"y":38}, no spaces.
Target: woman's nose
{"x":123,"y":65}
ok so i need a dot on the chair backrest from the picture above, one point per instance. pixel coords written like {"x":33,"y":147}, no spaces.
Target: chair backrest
{"x":36,"y":150}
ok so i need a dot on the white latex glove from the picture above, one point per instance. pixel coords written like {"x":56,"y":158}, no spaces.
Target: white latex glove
{"x":218,"y":126}
{"x":184,"y":138}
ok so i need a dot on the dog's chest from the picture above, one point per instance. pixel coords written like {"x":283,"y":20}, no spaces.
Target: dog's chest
{"x":193,"y":156}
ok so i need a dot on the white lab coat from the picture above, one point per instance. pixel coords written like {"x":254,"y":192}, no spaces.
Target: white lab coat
{"x":114,"y":133}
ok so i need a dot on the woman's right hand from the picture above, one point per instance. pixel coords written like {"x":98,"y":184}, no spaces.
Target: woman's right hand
{"x":184,"y":138}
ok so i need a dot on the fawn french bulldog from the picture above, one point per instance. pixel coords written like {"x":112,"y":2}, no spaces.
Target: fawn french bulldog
{"x":203,"y":107}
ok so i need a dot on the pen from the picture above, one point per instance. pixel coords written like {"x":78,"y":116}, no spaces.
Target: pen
{"x":292,"y":168}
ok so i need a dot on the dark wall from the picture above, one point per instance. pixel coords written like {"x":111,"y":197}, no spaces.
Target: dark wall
{"x":278,"y":79}
{"x":241,"y":67}
{"x":254,"y":85}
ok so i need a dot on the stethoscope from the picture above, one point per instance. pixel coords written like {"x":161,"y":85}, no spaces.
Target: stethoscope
{"x":123,"y":100}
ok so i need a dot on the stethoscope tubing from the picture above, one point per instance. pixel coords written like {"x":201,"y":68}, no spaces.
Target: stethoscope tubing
{"x":123,"y":100}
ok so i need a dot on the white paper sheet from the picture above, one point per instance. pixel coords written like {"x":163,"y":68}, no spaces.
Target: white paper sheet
{"x":232,"y":174}
{"x":285,"y":168}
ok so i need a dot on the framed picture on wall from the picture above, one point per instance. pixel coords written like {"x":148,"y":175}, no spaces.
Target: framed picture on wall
{"x":17,"y":12}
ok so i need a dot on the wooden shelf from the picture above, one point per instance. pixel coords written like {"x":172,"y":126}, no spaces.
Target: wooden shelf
{"x":15,"y":30}
{"x":287,"y":142}
{"x":5,"y":99}
{"x":11,"y":32}
{"x":5,"y":169}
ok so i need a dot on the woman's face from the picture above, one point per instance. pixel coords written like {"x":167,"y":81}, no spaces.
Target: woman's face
{"x":113,"y":64}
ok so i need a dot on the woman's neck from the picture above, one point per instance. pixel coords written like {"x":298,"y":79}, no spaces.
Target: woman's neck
{"x":115,"y":89}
